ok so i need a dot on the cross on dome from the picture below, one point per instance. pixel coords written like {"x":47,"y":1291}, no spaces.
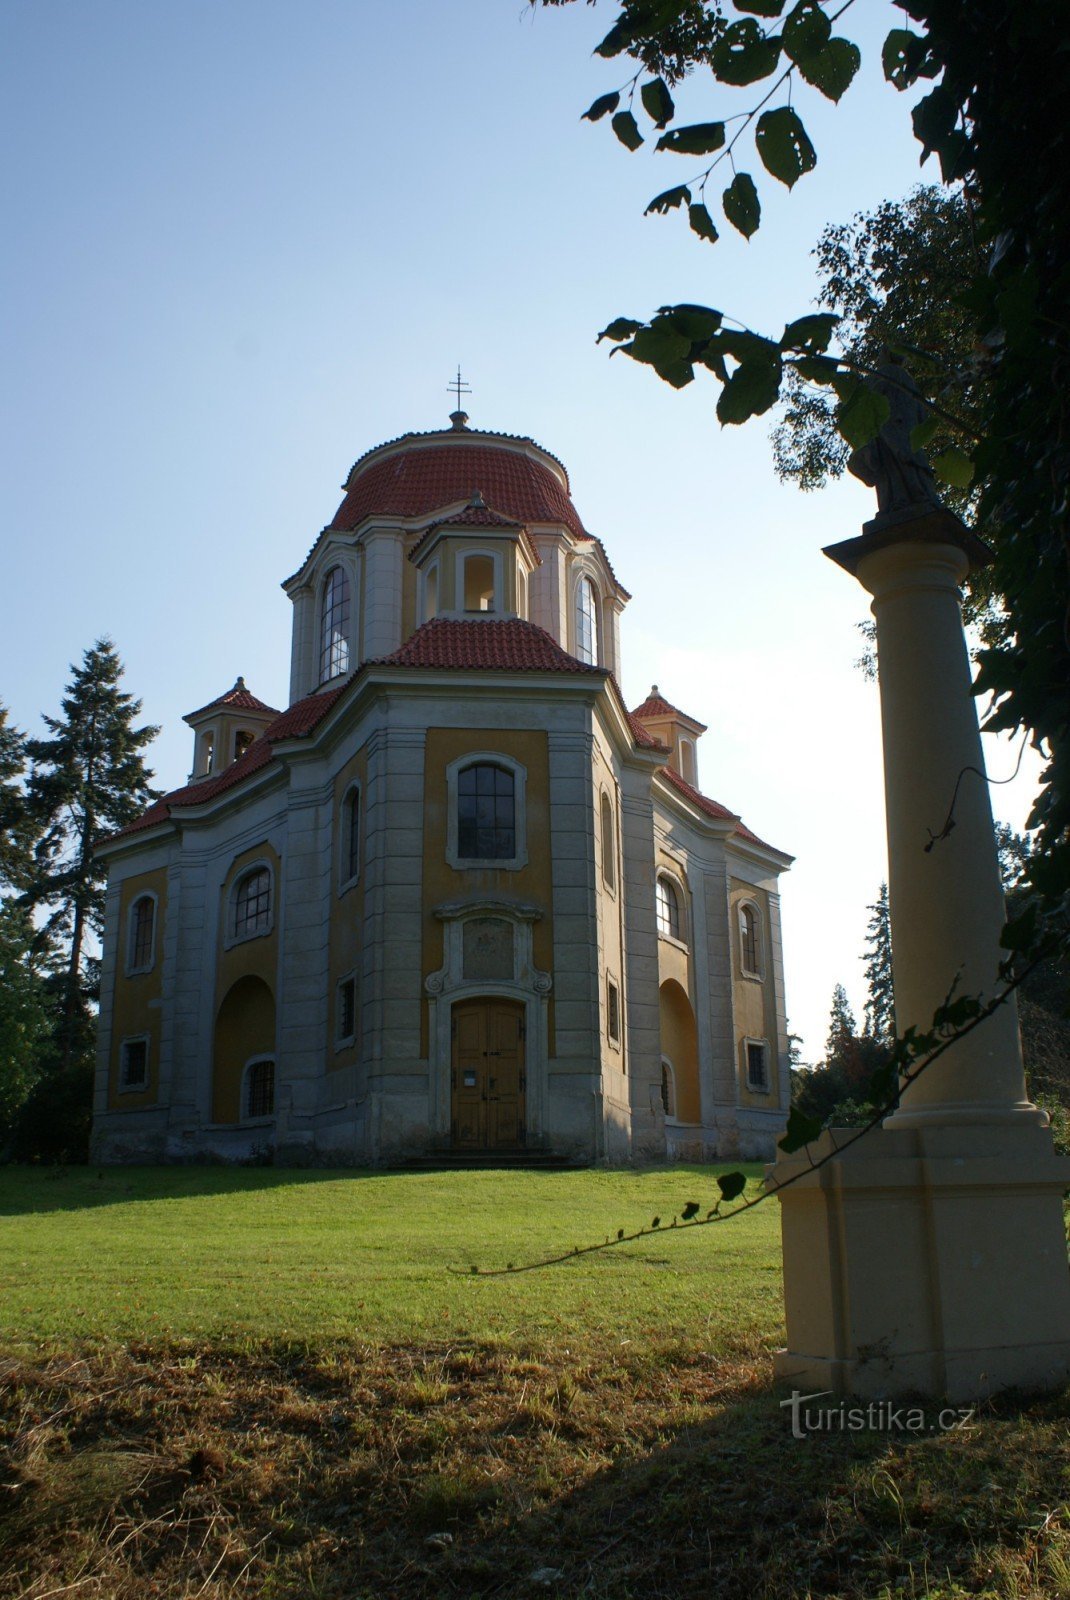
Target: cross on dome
{"x":459,"y":386}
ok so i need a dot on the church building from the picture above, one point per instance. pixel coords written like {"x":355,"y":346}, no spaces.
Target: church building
{"x":456,"y":897}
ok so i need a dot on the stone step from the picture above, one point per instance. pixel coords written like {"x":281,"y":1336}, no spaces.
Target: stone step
{"x":491,"y":1160}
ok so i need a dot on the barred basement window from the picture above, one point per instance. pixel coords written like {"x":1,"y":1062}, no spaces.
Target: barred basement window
{"x":334,"y":628}
{"x":347,"y":1009}
{"x":486,"y":813}
{"x":757,"y":1067}
{"x":260,"y":1089}
{"x":612,"y":1011}
{"x":134,"y":1064}
{"x":668,"y":1087}
{"x":252,"y":904}
{"x":142,"y":934}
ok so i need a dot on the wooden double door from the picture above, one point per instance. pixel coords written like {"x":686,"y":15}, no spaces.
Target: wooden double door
{"x":487,"y":1070}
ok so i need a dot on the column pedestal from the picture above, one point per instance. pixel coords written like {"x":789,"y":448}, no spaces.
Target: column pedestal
{"x":930,"y":1257}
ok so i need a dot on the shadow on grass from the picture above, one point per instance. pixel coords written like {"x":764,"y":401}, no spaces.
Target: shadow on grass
{"x":28,"y":1189}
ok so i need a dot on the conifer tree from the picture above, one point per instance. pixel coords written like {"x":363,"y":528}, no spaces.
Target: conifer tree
{"x":880,"y":999}
{"x":841,"y":1028}
{"x":89,"y":780}
{"x":16,"y":828}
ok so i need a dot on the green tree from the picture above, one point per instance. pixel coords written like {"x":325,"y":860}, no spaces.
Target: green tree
{"x":880,"y":997}
{"x":841,"y":1027}
{"x":26,"y":1017}
{"x":992,"y":111}
{"x":89,"y":779}
{"x":16,"y":823}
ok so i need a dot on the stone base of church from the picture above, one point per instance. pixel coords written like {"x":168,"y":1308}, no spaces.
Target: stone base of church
{"x":928,"y":1261}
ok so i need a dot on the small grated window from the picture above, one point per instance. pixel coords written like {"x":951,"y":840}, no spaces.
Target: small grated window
{"x":260,"y":1089}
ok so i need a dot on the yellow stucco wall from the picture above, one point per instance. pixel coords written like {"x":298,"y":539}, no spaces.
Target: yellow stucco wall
{"x":679,"y":1041}
{"x":609,"y":902}
{"x":136,"y":1006}
{"x":532,"y":883}
{"x":242,"y":1027}
{"x":347,"y":910}
{"x":754,"y":1000}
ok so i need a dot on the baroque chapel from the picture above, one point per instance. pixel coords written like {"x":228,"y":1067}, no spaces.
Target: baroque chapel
{"x":456,"y":899}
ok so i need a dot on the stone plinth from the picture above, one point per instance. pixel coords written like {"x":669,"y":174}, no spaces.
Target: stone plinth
{"x":930,"y":1257}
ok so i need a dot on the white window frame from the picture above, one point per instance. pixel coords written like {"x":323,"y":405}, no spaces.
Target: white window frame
{"x":613,"y":987}
{"x":679,"y":940}
{"x":263,"y":1117}
{"x":669,"y":1077}
{"x":433,"y":571}
{"x":135,"y":1088}
{"x":756,"y":974}
{"x":206,"y":753}
{"x":343,"y":1041}
{"x":605,"y":804}
{"x":347,"y":882}
{"x":757,"y":1088}
{"x":497,"y":610}
{"x":130,"y":970}
{"x":495,"y":758}
{"x":688,"y":759}
{"x":232,"y":938}
{"x":585,"y":575}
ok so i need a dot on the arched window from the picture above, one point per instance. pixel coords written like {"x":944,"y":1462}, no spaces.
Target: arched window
{"x":334,"y":627}
{"x":350,"y":837}
{"x":486,"y":813}
{"x":141,"y":948}
{"x":688,"y":770}
{"x":205,"y":760}
{"x":750,"y":941}
{"x":609,"y":848}
{"x":668,"y":1087}
{"x":479,"y":583}
{"x":252,"y":904}
{"x":431,"y":594}
{"x":260,"y":1088}
{"x":521,"y":593}
{"x":242,"y":740}
{"x":587,"y":622}
{"x":667,"y":903}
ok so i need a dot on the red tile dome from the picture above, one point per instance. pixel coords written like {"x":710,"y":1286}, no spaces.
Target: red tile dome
{"x":422,"y":473}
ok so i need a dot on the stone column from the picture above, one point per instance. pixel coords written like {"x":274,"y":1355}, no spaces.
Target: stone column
{"x":930,"y":1257}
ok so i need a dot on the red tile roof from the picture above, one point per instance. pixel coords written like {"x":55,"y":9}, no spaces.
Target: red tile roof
{"x":295,"y":723}
{"x":476,"y":517}
{"x":238,"y":699}
{"x":656,"y":706}
{"x":508,"y":646}
{"x":712,"y":808}
{"x":416,"y":482}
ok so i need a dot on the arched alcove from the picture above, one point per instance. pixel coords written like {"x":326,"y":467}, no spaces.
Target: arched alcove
{"x":679,"y":1042}
{"x":244,"y":1027}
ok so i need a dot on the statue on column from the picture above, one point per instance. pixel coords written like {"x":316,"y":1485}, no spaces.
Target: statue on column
{"x":900,"y":474}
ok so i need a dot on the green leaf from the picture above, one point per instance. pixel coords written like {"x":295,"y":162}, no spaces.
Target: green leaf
{"x":801,"y":1130}
{"x":819,"y":369}
{"x":604,"y":104}
{"x":616,"y":40}
{"x":811,"y":333}
{"x":661,"y":347}
{"x":732,"y":1185}
{"x":748,"y":346}
{"x":702,"y":223}
{"x":806,"y":30}
{"x":923,"y":433}
{"x":1019,"y":932}
{"x":782,"y":143}
{"x":655,"y":1222}
{"x":626,"y":128}
{"x":700,"y":139}
{"x":689,"y":1211}
{"x":953,"y":466}
{"x":668,"y":200}
{"x":657,"y":102}
{"x":741,"y":204}
{"x":691,"y":322}
{"x":761,"y":8}
{"x":743,"y":54}
{"x":906,"y":57}
{"x":934,"y":119}
{"x":833,"y":68}
{"x":620,"y":328}
{"x":861,"y":414}
{"x":751,"y":389}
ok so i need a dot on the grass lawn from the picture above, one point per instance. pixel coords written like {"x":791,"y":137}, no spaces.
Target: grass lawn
{"x":225,"y":1382}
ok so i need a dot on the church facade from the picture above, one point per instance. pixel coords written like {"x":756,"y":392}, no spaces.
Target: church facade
{"x":456,"y":897}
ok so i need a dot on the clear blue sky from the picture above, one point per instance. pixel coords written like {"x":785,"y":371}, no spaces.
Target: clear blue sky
{"x":245,"y":242}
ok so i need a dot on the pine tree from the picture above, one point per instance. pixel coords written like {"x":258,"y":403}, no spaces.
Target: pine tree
{"x":16,"y":825}
{"x":26,"y":1016}
{"x":880,"y":998}
{"x":841,"y":1028}
{"x":89,"y":780}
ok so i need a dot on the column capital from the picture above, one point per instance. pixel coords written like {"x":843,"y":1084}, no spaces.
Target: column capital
{"x":893,"y":532}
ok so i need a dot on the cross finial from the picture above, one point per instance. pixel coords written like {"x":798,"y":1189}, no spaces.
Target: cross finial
{"x":459,"y":387}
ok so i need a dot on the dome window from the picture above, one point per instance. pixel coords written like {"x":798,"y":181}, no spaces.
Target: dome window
{"x":334,"y":628}
{"x":587,"y":622}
